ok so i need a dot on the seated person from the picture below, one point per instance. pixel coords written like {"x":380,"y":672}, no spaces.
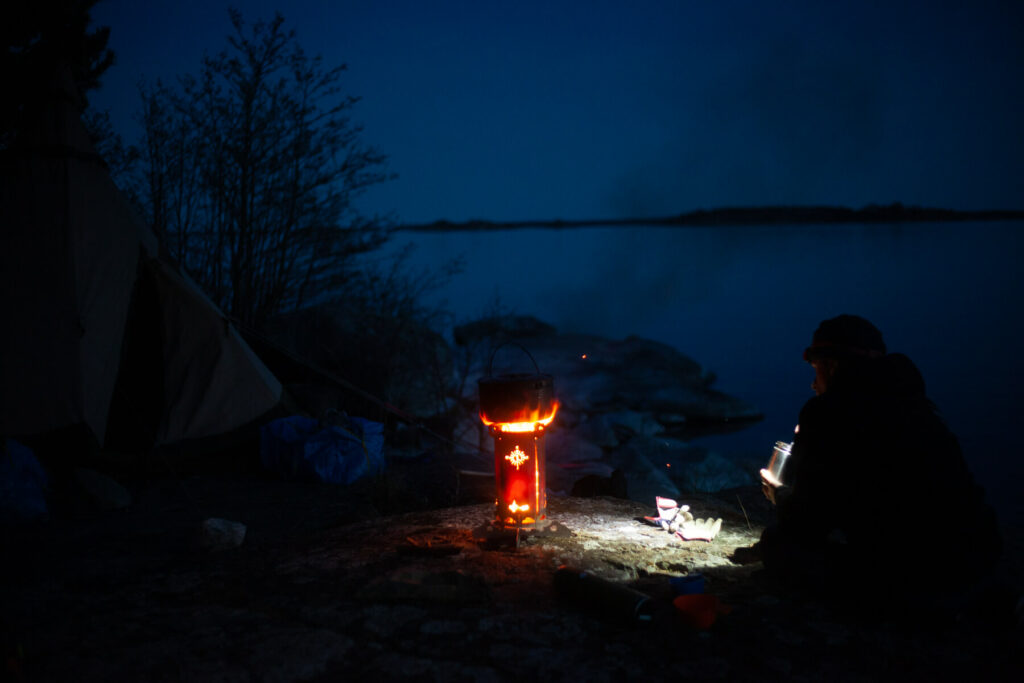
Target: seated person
{"x":875,"y":494}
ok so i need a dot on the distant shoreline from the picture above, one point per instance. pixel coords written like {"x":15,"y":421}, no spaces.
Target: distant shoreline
{"x":743,"y":216}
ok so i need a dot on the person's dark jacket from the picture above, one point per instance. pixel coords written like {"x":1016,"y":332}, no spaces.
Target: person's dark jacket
{"x":876,"y":474}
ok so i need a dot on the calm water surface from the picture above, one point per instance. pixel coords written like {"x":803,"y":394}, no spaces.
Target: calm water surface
{"x":743,"y":302}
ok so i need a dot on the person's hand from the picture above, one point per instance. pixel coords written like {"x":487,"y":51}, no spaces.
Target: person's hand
{"x":769,"y":485}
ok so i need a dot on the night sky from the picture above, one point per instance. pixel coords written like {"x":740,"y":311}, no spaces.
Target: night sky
{"x":576,"y":110}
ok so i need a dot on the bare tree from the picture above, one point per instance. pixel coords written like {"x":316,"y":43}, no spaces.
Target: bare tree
{"x":249,"y":171}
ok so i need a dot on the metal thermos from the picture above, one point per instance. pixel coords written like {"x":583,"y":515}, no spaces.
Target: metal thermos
{"x":778,"y":461}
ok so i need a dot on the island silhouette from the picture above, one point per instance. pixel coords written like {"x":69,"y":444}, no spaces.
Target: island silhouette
{"x":746,"y":216}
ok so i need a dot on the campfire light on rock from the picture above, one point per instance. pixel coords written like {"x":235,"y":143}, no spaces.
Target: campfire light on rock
{"x":517,"y":408}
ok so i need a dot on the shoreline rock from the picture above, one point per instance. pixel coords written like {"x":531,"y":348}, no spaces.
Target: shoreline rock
{"x":629,"y":405}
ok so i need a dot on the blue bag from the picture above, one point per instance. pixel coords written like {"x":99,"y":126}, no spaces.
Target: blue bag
{"x":23,"y":484}
{"x":303,"y":448}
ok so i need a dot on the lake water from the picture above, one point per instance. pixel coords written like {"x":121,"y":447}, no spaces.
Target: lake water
{"x":744,"y":301}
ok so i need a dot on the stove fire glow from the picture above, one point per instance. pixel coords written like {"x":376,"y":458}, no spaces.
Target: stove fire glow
{"x":516,"y":409}
{"x":519,"y":470}
{"x":517,"y":458}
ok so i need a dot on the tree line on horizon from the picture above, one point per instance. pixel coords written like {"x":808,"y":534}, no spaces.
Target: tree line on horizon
{"x":743,"y":215}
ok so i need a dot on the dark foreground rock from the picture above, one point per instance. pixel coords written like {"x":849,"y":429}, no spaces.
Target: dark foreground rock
{"x":315,"y":594}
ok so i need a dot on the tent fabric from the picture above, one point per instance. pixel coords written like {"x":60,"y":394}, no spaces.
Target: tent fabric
{"x":71,"y":253}
{"x":209,"y":372}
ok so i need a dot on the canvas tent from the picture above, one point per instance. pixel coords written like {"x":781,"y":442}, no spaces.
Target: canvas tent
{"x":98,"y":329}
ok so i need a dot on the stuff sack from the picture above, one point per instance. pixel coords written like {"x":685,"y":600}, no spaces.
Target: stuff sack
{"x":23,"y":484}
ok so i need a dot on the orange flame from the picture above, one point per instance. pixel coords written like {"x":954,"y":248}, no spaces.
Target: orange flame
{"x":527,"y":421}
{"x":515,"y":507}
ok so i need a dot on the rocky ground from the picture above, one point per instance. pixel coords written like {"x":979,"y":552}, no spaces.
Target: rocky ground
{"x":328,"y":585}
{"x":398,"y":577}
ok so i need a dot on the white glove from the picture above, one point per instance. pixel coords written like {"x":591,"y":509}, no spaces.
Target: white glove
{"x":699,"y":529}
{"x":677,"y":519}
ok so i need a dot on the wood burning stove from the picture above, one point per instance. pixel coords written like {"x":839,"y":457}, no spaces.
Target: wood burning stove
{"x":516,"y":408}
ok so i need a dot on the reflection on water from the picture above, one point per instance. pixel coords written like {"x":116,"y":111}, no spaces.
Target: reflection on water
{"x":744,"y":301}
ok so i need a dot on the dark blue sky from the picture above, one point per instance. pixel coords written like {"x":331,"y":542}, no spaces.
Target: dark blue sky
{"x":516,"y":110}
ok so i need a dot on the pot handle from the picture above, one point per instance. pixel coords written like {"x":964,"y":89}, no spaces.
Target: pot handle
{"x":490,"y":364}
